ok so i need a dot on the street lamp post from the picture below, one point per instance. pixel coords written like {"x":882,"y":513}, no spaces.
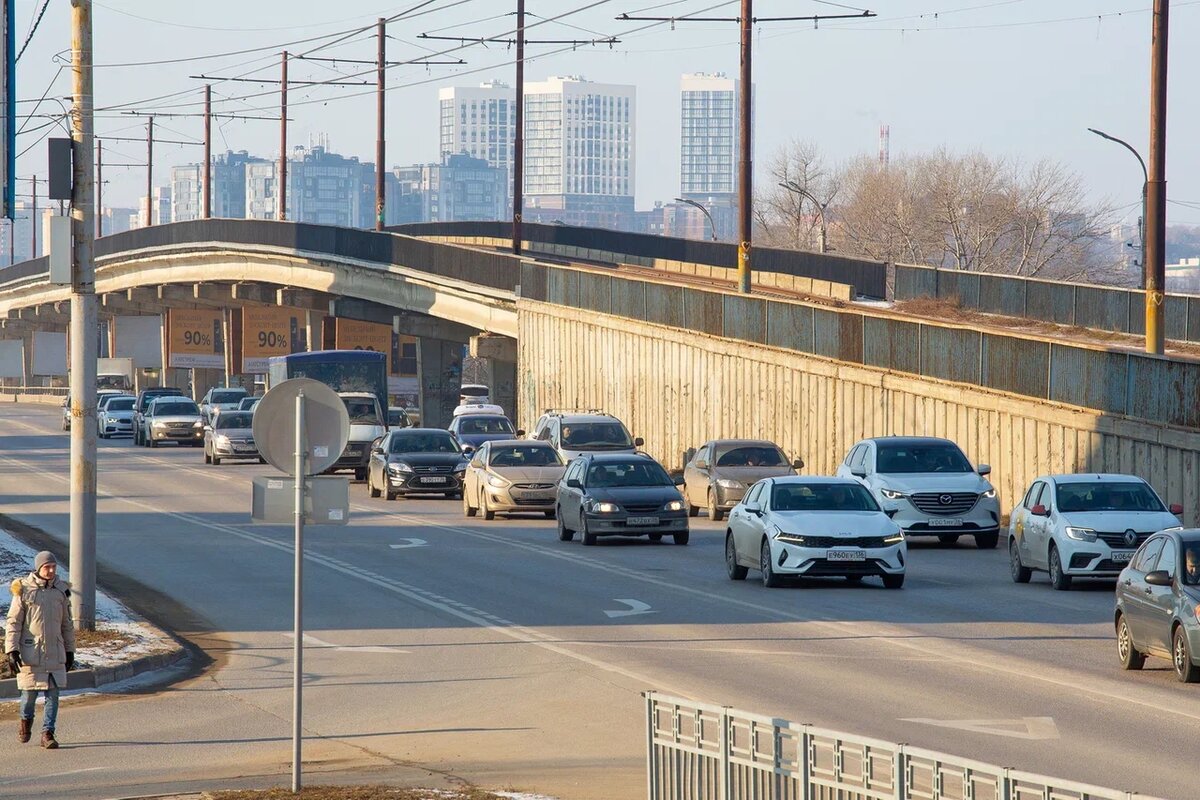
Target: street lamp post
{"x":712,"y":225}
{"x":1145,"y":183}
{"x":792,"y":186}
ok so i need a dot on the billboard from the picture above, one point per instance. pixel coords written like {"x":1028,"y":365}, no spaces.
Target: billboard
{"x":12,"y":358}
{"x":195,"y":338}
{"x":352,"y":334}
{"x":49,"y":353}
{"x":139,"y":338}
{"x":270,"y":331}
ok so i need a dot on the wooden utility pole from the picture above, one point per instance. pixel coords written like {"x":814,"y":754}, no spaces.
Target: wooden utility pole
{"x":150,"y":172}
{"x":380,"y":142}
{"x":518,"y":159}
{"x":283,"y":164}
{"x":206,"y":176}
{"x":99,"y":188}
{"x":1155,"y":266}
{"x":745,"y":157}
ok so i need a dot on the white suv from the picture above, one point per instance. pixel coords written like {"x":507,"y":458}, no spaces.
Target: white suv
{"x":1084,"y":526}
{"x":928,"y":487}
{"x":573,"y":433}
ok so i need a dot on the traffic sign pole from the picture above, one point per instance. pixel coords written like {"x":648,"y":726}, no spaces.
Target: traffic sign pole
{"x":298,"y":624}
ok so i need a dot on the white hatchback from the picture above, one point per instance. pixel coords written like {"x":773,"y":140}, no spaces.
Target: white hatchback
{"x":802,"y":526}
{"x":1084,"y":526}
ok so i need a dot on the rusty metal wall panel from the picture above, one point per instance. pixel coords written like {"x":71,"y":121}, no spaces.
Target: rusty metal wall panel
{"x":745,"y":318}
{"x":950,"y":354}
{"x":963,"y":285}
{"x":1016,"y":365}
{"x":892,"y":344}
{"x":790,"y":326}
{"x":1106,"y":309}
{"x":1168,"y":391}
{"x":533,"y":281}
{"x":1174,"y":312}
{"x":664,"y":304}
{"x":1193,"y":319}
{"x":913,"y":281}
{"x":1053,"y":302}
{"x":1001,"y":294}
{"x":702,"y":311}
{"x":838,"y":335}
{"x":595,"y":292}
{"x":1089,"y":378}
{"x":629,"y":297}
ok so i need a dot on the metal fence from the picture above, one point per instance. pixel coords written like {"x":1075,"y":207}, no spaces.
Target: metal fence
{"x":1103,"y":307}
{"x":697,"y":751}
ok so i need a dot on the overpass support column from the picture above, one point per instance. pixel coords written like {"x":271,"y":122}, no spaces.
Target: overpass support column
{"x":499,"y":354}
{"x":439,"y":378}
{"x":27,"y":377}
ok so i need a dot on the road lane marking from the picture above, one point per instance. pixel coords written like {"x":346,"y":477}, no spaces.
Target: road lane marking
{"x":635,"y":607}
{"x":312,"y":641}
{"x":54,"y":774}
{"x":1023,"y":728}
{"x":409,"y":543}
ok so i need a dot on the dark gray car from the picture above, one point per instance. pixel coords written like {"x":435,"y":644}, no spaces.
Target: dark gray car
{"x":722,"y":470}
{"x":230,"y":435}
{"x":619,"y":494}
{"x":1158,"y":604}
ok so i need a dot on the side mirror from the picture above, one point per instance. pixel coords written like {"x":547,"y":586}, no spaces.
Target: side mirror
{"x":208,"y":428}
{"x":376,"y":451}
{"x":1176,"y":509}
{"x":520,"y":433}
{"x":573,"y":483}
{"x":859,"y":473}
{"x":677,"y":480}
{"x":1159,"y":577}
{"x":638,"y":442}
{"x":984,"y":469}
{"x":1040,"y":511}
{"x":467,"y":449}
{"x":799,"y":464}
{"x":701,"y":464}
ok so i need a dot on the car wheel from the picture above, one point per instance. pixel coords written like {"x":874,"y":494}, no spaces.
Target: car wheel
{"x":948,"y":538}
{"x":360,"y":474}
{"x":655,"y":537}
{"x":692,"y":511}
{"x":1058,"y":580}
{"x":987,"y":541}
{"x":893,"y":581}
{"x":468,"y":509}
{"x":565,"y":534}
{"x":486,"y":506}
{"x":154,"y":443}
{"x":589,"y":538}
{"x":371,"y":490}
{"x":766,"y":566}
{"x":682,"y":538}
{"x":1130,"y":658}
{"x":714,"y":513}
{"x":1020,"y":572}
{"x":548,"y":514}
{"x":1181,"y":654}
{"x":262,"y":460}
{"x":216,"y":461}
{"x":735,"y":570}
{"x":388,"y":494}
{"x":207,"y":457}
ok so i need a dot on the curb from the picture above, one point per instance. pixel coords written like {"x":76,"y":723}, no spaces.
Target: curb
{"x":100,"y":676}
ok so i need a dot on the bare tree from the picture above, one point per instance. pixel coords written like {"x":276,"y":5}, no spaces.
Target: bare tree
{"x":786,"y":218}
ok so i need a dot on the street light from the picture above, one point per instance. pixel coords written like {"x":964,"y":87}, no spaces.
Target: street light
{"x":792,"y":186}
{"x":711,"y":224}
{"x":1145,"y":183}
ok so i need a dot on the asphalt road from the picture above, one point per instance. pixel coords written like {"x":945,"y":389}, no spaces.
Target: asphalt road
{"x":445,"y":648}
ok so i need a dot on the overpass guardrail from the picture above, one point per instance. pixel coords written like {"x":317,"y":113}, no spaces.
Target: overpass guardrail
{"x":698,"y":751}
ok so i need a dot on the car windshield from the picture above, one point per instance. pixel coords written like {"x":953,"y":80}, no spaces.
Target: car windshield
{"x":396,"y":416}
{"x":627,"y":473}
{"x":524,"y":455}
{"x":361,"y":410}
{"x":477,"y":424}
{"x":1191,"y":563}
{"x":119,"y":404}
{"x":162,"y":409}
{"x":822,"y":497}
{"x":752,"y":456}
{"x":234,"y":421}
{"x":247,"y":403}
{"x":895,"y":458}
{"x":598,"y":435}
{"x":424,"y":442}
{"x":1106,"y":496}
{"x":227,"y":396}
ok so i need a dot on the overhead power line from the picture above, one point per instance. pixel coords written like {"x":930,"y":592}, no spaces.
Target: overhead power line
{"x":33,"y":30}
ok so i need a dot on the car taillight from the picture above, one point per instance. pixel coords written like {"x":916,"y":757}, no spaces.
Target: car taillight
{"x":1196,"y":610}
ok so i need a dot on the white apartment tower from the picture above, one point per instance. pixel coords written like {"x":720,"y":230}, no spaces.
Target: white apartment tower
{"x":479,"y":121}
{"x":708,"y":137}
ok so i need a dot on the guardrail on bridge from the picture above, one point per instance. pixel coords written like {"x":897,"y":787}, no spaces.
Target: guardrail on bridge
{"x":698,"y":751}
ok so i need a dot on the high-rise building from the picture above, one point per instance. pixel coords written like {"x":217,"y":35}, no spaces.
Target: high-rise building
{"x":322,"y":188}
{"x":459,"y":189}
{"x":709,"y":136}
{"x":480,"y":121}
{"x":228,"y":192}
{"x":156,"y":209}
{"x":579,"y":156}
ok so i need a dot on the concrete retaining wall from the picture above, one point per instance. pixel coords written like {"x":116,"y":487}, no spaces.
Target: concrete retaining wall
{"x":679,"y":388}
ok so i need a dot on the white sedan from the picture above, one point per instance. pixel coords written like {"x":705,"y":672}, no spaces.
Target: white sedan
{"x":1084,"y":526}
{"x":802,"y":526}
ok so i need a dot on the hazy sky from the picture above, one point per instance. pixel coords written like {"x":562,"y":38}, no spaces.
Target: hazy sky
{"x":1016,"y":78}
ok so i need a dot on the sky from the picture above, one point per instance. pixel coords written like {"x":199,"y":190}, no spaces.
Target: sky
{"x":1021,"y":79}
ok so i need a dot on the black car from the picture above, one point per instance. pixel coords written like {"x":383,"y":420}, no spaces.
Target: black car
{"x":416,"y":461}
{"x":144,"y":397}
{"x":1158,"y":604}
{"x":620,"y":494}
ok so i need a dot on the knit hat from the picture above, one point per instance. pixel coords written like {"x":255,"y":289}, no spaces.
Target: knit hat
{"x":42,"y":559}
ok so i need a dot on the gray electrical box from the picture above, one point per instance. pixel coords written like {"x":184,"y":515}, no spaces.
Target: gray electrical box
{"x":61,"y":169}
{"x":326,"y":500}
{"x":57,"y":236}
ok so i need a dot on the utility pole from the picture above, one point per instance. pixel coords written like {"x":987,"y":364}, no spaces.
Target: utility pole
{"x":99,"y":188}
{"x":206,"y":189}
{"x":84,"y":328}
{"x":380,"y":144}
{"x":150,"y":172}
{"x":518,"y":159}
{"x":1156,"y":186}
{"x":282,"y":192}
{"x":745,"y":157}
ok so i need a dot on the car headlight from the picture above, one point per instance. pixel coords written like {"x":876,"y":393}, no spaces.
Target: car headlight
{"x":497,"y":481}
{"x":990,"y":494}
{"x":726,"y":483}
{"x":674,"y":505}
{"x":223,"y":441}
{"x":1080,"y":534}
{"x":894,"y":538}
{"x":892,"y":494}
{"x":400,"y":466}
{"x":460,"y":467}
{"x":158,"y":424}
{"x":198,"y":423}
{"x":605,"y":508}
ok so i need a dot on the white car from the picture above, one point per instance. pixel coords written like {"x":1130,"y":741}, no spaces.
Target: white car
{"x":220,"y":398}
{"x":928,"y":487}
{"x":115,"y":418}
{"x":1084,"y":526}
{"x":801,"y":526}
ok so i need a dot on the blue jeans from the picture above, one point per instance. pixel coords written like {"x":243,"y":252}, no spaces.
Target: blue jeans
{"x":29,"y":703}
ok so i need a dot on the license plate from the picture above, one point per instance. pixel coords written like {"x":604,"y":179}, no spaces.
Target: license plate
{"x":1122,"y":558}
{"x":846,"y":555}
{"x":945,"y":522}
{"x":432,"y":479}
{"x":244,"y":448}
{"x":641,"y":521}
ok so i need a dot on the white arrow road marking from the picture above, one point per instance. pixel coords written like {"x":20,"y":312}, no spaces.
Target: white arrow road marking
{"x":1023,"y":728}
{"x":409,"y":543}
{"x":313,"y":641}
{"x":635,"y":607}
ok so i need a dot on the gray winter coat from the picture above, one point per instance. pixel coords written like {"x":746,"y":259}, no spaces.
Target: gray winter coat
{"x":40,"y":626}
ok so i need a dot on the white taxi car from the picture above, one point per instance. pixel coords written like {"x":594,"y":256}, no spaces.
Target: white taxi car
{"x":1084,"y":526}
{"x":802,"y":526}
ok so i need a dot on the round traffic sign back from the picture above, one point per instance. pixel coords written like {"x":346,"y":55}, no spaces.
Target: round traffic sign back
{"x":326,"y":425}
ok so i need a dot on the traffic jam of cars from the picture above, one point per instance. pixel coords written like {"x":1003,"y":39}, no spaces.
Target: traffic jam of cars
{"x":584,"y":470}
